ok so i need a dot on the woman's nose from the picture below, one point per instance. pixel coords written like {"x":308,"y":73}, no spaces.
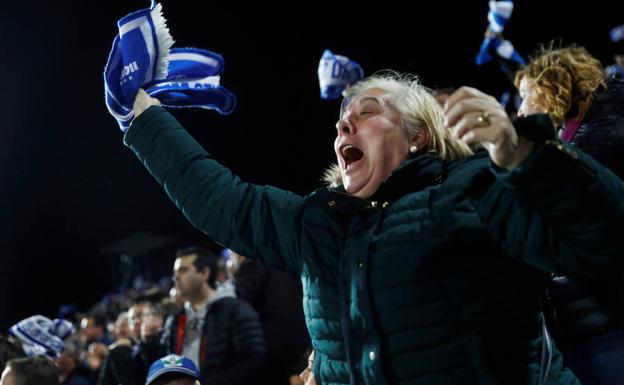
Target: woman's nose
{"x":345,"y":127}
{"x":520,"y":111}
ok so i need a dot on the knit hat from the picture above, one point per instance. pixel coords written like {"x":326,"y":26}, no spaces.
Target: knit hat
{"x":40,"y":335}
{"x":172,"y":364}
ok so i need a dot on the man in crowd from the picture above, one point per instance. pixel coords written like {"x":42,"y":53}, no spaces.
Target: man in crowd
{"x":35,"y":370}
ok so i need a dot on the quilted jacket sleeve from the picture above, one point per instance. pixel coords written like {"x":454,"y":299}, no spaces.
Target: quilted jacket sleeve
{"x":560,"y":211}
{"x":259,"y":222}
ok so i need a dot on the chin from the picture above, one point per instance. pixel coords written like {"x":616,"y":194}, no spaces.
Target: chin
{"x":358,"y":188}
{"x":358,"y":191}
{"x":351,"y":189}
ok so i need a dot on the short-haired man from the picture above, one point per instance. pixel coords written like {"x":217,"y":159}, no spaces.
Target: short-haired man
{"x":35,"y":370}
{"x":220,"y":333}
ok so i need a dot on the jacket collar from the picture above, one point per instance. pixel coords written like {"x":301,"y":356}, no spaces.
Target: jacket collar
{"x":419,"y":172}
{"x":414,"y":174}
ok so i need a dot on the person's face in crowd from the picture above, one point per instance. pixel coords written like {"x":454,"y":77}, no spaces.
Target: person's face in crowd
{"x":89,"y":332}
{"x":152,"y":325}
{"x":370,"y":143}
{"x":530,"y":102}
{"x":66,"y":363}
{"x":135,"y":319}
{"x":122,"y":327}
{"x":7,"y":377}
{"x":96,"y":355}
{"x":187,"y":279}
{"x":619,"y":60}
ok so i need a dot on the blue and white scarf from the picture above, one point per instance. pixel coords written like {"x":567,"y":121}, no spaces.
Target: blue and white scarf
{"x":617,"y":33}
{"x":501,"y":47}
{"x":615,"y":71}
{"x":180,"y":77}
{"x":336,"y":73}
{"x":193,"y":81}
{"x":498,"y":15}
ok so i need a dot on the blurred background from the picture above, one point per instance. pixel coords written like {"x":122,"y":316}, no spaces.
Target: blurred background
{"x":79,"y":215}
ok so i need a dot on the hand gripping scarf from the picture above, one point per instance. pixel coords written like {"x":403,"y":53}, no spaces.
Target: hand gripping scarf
{"x":142,"y":57}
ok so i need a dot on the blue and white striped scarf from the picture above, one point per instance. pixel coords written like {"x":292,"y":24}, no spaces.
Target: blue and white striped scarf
{"x":142,"y":57}
{"x":498,"y":15}
{"x":336,"y":73}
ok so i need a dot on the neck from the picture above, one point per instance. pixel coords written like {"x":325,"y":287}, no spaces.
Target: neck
{"x":204,"y":295}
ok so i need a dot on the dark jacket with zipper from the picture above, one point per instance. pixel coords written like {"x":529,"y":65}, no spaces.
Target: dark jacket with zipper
{"x":601,"y":133}
{"x":437,"y":279}
{"x":232,"y":350}
{"x":585,"y":308}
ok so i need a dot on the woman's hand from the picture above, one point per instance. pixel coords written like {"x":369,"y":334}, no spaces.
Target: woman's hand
{"x":142,"y":102}
{"x":476,"y":117}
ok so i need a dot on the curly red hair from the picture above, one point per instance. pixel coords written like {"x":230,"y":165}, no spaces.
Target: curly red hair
{"x":566,"y":81}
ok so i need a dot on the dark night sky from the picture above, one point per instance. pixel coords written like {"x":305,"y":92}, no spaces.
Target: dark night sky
{"x":69,"y":186}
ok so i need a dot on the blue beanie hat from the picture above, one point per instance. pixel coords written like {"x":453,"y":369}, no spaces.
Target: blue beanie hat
{"x":40,"y":335}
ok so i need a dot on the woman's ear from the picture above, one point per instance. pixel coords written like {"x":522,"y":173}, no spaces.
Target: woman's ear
{"x":420,"y":139}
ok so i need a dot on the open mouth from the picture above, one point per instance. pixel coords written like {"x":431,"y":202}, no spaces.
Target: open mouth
{"x":350,"y":155}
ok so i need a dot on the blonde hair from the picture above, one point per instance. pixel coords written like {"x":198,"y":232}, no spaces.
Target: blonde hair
{"x":419,"y":111}
{"x":566,"y":81}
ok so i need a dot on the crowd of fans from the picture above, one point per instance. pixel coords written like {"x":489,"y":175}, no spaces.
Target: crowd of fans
{"x":235,"y":319}
{"x":230,"y":320}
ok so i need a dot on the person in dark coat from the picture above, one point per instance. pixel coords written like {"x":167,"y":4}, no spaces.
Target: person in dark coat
{"x":570,"y":85}
{"x":67,"y":363}
{"x":124,"y":364}
{"x":276,"y":296}
{"x":421,"y":264}
{"x":219,"y":332}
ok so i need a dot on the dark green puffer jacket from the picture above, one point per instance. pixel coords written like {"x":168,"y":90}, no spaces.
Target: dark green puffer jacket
{"x":434,"y":280}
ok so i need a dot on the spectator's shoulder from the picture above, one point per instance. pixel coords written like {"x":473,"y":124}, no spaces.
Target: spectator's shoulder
{"x":238,"y":308}
{"x":469,"y":173}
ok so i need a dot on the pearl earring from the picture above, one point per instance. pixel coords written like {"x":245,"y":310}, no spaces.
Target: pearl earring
{"x":413,"y":149}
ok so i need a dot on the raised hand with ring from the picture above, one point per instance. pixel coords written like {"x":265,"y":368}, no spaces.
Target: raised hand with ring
{"x":476,"y":117}
{"x":483,"y":119}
